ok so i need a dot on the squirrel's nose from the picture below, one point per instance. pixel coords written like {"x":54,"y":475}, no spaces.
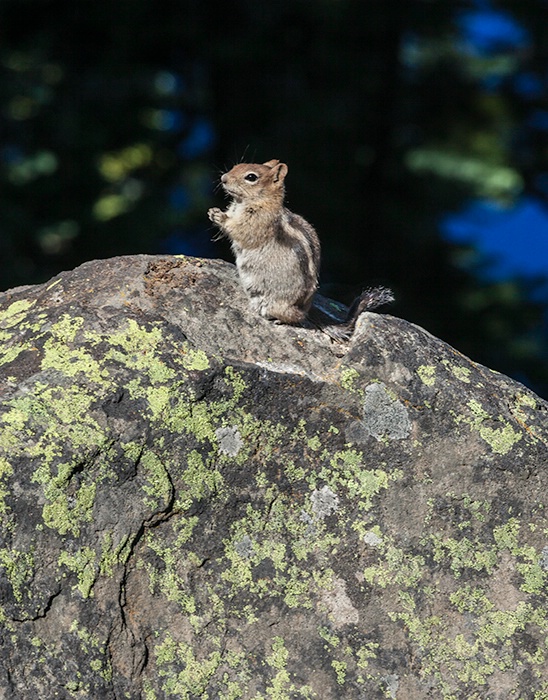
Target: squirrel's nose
{"x":223,"y":178}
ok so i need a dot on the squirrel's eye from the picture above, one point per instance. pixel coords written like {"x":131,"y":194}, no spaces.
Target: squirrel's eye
{"x":251,"y":177}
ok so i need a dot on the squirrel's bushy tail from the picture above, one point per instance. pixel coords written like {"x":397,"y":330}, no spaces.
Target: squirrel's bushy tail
{"x":369,"y":299}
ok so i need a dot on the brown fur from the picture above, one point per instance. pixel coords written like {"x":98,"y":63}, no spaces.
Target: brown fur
{"x":277,"y":252}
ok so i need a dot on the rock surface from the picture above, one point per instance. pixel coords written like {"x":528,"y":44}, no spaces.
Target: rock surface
{"x":196,"y":503}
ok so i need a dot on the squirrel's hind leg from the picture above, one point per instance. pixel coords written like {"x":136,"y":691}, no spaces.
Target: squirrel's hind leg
{"x":284,"y":314}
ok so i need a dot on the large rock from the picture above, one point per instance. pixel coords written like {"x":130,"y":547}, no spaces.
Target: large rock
{"x":197,"y":503}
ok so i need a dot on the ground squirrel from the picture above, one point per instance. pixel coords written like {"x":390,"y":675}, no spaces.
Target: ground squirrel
{"x":278,"y":252}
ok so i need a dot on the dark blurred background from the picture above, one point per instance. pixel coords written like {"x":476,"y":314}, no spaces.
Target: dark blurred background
{"x":416,"y":134}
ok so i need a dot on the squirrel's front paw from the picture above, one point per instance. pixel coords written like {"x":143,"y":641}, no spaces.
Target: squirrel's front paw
{"x":216,"y":215}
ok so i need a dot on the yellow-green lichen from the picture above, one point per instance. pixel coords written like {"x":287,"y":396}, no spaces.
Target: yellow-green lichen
{"x":281,"y":687}
{"x":14,"y":313}
{"x":14,"y":317}
{"x":191,"y":418}
{"x":158,"y":484}
{"x":195,"y":359}
{"x":135,"y":347}
{"x":476,"y":657}
{"x":170,"y":579}
{"x":148,"y":690}
{"x":193,"y":677}
{"x":59,"y":352}
{"x":65,"y":511}
{"x":6,"y":470}
{"x":93,"y":648}
{"x":314,"y":443}
{"x":68,"y":518}
{"x":83,"y":564}
{"x":348,"y":471}
{"x":461,"y":373}
{"x":478,"y":509}
{"x":427,"y":374}
{"x":278,"y":657}
{"x":293,"y":471}
{"x":365,"y":653}
{"x":296,"y":587}
{"x":489,"y":645}
{"x":526,"y":400}
{"x":236,"y":381}
{"x":19,"y":568}
{"x":234,"y":690}
{"x":501,"y":440}
{"x":340,"y":670}
{"x":332,"y":639}
{"x":200,"y":478}
{"x":522,"y":408}
{"x":395,"y":566}
{"x":463,"y":553}
{"x":44,"y":420}
{"x":349,"y":376}
{"x":470,"y":599}
{"x":16,"y":419}
{"x":9,"y":354}
{"x":528,"y":560}
{"x":112,"y":555}
{"x":256,"y":539}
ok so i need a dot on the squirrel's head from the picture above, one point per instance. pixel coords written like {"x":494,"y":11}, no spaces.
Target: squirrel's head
{"x":255,"y":181}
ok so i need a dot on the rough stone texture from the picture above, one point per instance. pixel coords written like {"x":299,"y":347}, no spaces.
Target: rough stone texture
{"x":196,"y":503}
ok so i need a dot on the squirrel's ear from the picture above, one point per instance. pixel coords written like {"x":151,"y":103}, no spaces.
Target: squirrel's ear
{"x":271,"y":163}
{"x":280,"y":172}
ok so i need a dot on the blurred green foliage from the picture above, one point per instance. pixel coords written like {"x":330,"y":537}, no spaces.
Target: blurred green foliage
{"x":116,"y":118}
